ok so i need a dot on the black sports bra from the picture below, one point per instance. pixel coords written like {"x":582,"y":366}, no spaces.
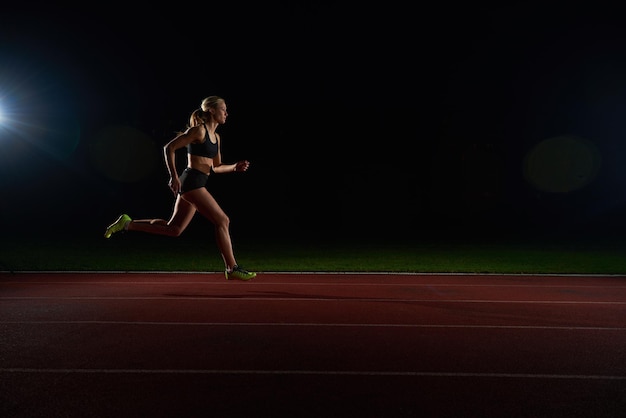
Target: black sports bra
{"x":204,"y":149}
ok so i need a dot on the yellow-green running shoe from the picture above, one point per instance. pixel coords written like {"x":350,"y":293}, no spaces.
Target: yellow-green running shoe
{"x":117,"y":226}
{"x":239,"y":273}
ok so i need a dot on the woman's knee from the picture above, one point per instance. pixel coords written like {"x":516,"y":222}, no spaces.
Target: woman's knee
{"x":222,"y":221}
{"x":176,"y":230}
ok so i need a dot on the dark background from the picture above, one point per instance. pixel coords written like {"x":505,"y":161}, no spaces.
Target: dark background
{"x":372,"y":121}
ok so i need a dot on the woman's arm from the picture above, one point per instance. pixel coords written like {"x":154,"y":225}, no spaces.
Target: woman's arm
{"x":219,"y":167}
{"x":169,"y":153}
{"x":232,"y":168}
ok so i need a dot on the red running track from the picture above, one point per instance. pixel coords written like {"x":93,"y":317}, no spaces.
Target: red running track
{"x":311,"y":345}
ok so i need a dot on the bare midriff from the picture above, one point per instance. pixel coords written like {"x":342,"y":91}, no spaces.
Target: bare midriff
{"x":203,"y":164}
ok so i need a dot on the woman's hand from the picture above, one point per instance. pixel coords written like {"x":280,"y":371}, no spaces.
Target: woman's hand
{"x":242,"y":165}
{"x":174,"y":184}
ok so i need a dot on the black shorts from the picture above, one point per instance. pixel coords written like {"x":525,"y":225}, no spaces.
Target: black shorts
{"x":192,"y":179}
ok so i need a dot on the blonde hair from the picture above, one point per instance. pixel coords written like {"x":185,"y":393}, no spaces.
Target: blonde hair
{"x":198,"y":116}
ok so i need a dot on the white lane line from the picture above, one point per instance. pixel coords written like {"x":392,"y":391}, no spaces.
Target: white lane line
{"x":318,"y":273}
{"x":339,"y":284}
{"x":310,"y":324}
{"x":315,"y":372}
{"x":309,"y":299}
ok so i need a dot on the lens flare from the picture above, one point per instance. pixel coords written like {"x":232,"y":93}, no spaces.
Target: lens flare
{"x":562,"y":164}
{"x":123,"y":153}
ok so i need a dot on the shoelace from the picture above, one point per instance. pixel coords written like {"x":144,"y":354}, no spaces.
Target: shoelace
{"x":240,"y":269}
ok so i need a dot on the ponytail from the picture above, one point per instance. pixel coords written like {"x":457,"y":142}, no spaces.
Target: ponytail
{"x":196,"y":118}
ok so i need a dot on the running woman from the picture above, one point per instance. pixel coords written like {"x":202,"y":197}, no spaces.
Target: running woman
{"x":204,"y":160}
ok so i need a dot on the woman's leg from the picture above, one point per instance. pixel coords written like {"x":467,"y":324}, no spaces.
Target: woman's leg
{"x":182,"y":215}
{"x":208,"y":207}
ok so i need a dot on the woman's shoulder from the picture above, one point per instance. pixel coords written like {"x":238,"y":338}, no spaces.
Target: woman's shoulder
{"x":196,"y":133}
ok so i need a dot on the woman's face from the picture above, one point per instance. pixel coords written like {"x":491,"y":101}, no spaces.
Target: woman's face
{"x":219,"y":113}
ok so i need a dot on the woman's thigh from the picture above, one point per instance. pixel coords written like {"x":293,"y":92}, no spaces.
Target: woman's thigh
{"x":205,"y":204}
{"x":182,"y":214}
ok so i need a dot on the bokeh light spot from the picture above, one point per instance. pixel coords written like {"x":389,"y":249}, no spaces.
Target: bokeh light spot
{"x":123,"y":153}
{"x":562,"y":164}
{"x":60,"y":138}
